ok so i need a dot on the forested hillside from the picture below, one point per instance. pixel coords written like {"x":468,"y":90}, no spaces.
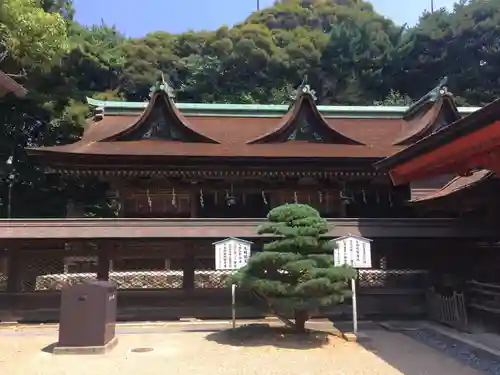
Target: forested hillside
{"x":351,"y":54}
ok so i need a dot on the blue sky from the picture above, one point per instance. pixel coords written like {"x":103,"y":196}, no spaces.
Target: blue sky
{"x":137,"y":18}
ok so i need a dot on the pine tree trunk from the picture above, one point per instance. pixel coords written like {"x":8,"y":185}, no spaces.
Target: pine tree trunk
{"x":301,"y":317}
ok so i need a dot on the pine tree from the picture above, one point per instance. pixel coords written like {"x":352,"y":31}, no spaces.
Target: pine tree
{"x":295,"y":272}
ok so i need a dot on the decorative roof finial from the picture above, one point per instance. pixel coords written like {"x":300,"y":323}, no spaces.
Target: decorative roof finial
{"x":443,"y":86}
{"x":303,"y":89}
{"x":440,"y":89}
{"x":162,"y":85}
{"x":432,"y":96}
{"x":98,"y":113}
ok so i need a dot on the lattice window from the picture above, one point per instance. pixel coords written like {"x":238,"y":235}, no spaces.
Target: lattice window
{"x":392,"y":279}
{"x":209,"y":279}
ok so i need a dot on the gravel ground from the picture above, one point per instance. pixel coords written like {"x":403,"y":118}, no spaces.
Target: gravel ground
{"x":464,"y":353}
{"x":209,"y":353}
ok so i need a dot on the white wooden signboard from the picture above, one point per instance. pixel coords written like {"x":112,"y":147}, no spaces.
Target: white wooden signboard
{"x":232,"y":253}
{"x":354,"y":251}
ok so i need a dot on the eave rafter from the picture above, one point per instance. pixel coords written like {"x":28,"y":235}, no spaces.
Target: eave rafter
{"x":215,"y":173}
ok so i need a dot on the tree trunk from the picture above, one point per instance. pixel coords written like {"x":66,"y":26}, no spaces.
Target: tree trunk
{"x":301,"y":317}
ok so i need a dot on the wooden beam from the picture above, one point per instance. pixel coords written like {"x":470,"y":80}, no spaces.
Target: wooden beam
{"x":122,"y":229}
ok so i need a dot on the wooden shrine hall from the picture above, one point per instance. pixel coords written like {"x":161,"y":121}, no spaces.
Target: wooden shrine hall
{"x":470,"y":149}
{"x":182,"y":176}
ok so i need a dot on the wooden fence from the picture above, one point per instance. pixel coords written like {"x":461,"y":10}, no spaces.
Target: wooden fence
{"x":449,"y":310}
{"x":480,"y":303}
{"x":381,"y":293}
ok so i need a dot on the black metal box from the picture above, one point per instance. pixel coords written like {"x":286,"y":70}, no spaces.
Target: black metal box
{"x":88,"y":314}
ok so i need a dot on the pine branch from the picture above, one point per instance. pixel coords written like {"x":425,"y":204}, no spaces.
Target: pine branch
{"x":263,"y":298}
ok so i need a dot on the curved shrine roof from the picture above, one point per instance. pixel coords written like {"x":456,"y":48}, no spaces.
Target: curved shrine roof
{"x":163,"y":128}
{"x":427,"y":119}
{"x":304,"y":112}
{"x":165,"y":110}
{"x":232,"y":136}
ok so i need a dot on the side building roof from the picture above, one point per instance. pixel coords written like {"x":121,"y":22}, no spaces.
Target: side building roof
{"x":459,"y":183}
{"x":7,"y":84}
{"x":463,"y":145}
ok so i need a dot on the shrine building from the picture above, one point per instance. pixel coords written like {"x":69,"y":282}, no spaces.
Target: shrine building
{"x":182,"y":177}
{"x":469,"y":149}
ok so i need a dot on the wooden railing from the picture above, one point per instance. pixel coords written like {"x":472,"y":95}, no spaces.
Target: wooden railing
{"x":484,"y":296}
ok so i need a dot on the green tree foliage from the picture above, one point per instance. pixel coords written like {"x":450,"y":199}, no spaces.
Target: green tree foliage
{"x":394,"y":98}
{"x":29,"y":35}
{"x":24,"y":123}
{"x":63,"y":7}
{"x":356,"y":61}
{"x":462,"y":44}
{"x":296,"y":271}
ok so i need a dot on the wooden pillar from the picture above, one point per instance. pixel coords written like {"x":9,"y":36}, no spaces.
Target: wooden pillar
{"x":193,"y":202}
{"x":343,"y":209}
{"x":13,"y":270}
{"x":188,"y":270}
{"x":103,"y":260}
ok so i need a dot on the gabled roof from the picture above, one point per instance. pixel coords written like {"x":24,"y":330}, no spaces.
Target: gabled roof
{"x":160,"y":120}
{"x":303,"y":120}
{"x":433,"y":111}
{"x":7,"y":84}
{"x":428,"y":119}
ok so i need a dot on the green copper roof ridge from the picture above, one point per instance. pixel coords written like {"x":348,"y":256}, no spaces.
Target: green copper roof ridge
{"x":278,"y":108}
